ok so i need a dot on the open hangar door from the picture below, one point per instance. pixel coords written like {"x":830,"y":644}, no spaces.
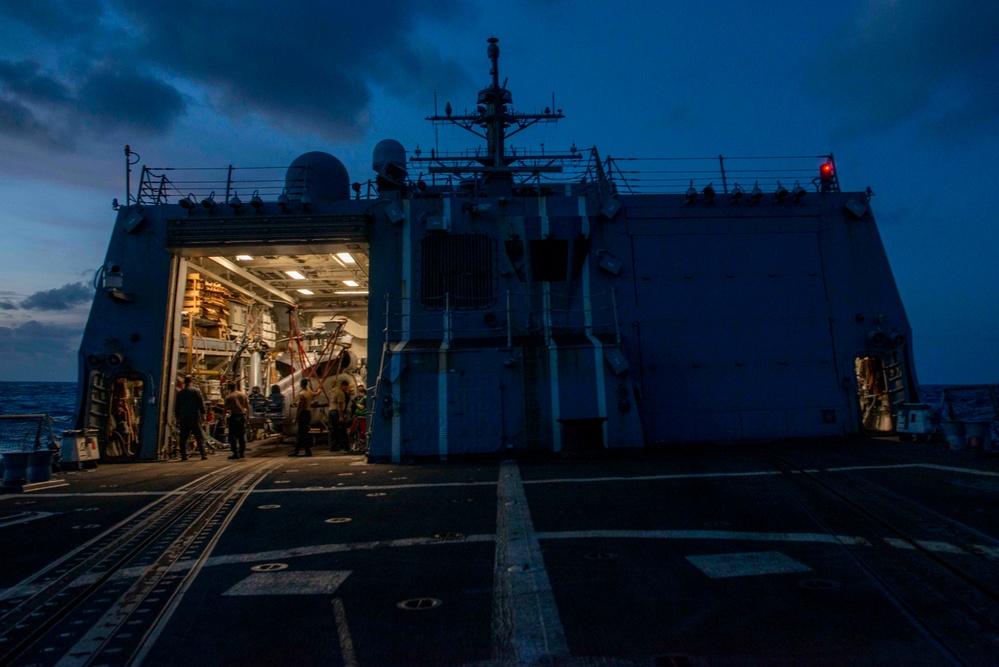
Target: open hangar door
{"x":263,"y":317}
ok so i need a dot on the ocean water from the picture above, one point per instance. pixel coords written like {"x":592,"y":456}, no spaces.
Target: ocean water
{"x":57,"y":399}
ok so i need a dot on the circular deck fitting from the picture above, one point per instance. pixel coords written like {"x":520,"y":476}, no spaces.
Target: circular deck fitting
{"x":419,"y":604}
{"x":819,"y":584}
{"x":600,"y":555}
{"x":449,"y":537}
{"x":267,"y":507}
{"x":269,"y":567}
{"x":376,"y":494}
{"x":339,"y":519}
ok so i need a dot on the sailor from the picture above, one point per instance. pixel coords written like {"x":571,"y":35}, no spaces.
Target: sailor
{"x":189,"y":411}
{"x":338,"y":417}
{"x":304,"y":439}
{"x":238,"y":405}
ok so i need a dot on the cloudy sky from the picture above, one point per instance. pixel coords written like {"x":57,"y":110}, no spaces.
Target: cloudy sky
{"x":902,"y":92}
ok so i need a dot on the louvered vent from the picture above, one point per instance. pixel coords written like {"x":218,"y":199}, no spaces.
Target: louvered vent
{"x":457,"y":269}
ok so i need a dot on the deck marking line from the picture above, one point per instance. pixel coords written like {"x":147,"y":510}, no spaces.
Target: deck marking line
{"x":375,"y":487}
{"x":703,"y":535}
{"x":343,"y":632}
{"x":24,"y":517}
{"x":969,"y":471}
{"x":720,"y":566}
{"x":342,"y":547}
{"x":290,"y":582}
{"x":649,"y":478}
{"x":526,"y":627}
{"x":892,"y":466}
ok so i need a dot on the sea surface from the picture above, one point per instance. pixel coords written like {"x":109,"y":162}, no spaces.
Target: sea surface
{"x":56,"y":399}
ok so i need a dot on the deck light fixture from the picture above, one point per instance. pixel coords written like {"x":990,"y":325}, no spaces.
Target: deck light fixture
{"x":691,"y":193}
{"x":709,"y":192}
{"x":235,"y":203}
{"x":340,"y":291}
{"x":296,"y":275}
{"x":306,"y":202}
{"x":737,"y":193}
{"x":306,"y":291}
{"x":243,"y":258}
{"x":797,"y":192}
{"x":209,"y":201}
{"x":283,"y":200}
{"x":756,"y":193}
{"x":346,"y":258}
{"x":187,"y":202}
{"x":350,"y":283}
{"x":781,"y":192}
{"x":255,"y":201}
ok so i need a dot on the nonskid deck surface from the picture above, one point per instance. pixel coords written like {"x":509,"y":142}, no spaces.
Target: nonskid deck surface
{"x":863,"y":552}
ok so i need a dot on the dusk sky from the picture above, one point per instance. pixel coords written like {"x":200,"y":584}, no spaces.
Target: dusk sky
{"x":904,"y":94}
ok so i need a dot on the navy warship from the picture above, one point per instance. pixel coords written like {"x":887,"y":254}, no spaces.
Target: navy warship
{"x":502,"y":299}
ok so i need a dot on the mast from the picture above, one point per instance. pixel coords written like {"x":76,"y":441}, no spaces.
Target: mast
{"x":495,"y":121}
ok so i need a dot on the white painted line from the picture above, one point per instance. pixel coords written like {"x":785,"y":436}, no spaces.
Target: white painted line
{"x":322,"y":549}
{"x":982,"y":550}
{"x":647,"y":478}
{"x":969,"y":471}
{"x":375,"y":487}
{"x":704,"y":535}
{"x":899,"y":544}
{"x":720,"y":566}
{"x":343,"y":632}
{"x":526,"y":627}
{"x":894,"y":466}
{"x":941,"y":547}
{"x":290,"y":582}
{"x":24,"y":517}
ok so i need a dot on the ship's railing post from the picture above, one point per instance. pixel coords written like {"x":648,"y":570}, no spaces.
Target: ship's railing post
{"x":721,"y":162}
{"x":161,"y":193}
{"x":228,"y":184}
{"x":509,"y":322}
{"x":617,"y":324}
{"x":447,"y":319}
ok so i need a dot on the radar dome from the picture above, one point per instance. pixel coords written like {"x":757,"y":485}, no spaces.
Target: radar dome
{"x":389,"y":161}
{"x":320,"y":175}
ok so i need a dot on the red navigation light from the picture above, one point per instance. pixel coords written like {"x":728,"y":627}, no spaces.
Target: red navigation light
{"x":826,"y":173}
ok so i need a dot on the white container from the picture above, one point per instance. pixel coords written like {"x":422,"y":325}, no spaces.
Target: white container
{"x":79,"y":447}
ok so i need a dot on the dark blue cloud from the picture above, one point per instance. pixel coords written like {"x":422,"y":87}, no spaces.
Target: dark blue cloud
{"x":921,"y":62}
{"x":309,"y":67}
{"x":60,"y":298}
{"x":7,"y":305}
{"x":112,"y":97}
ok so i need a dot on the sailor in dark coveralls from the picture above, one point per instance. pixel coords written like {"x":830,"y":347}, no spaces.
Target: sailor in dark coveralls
{"x":238,"y":405}
{"x":189,"y":409}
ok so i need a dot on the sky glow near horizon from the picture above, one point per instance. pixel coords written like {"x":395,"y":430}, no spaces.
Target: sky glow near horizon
{"x":902,"y":92}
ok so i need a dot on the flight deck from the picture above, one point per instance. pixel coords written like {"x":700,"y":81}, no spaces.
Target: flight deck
{"x":859,"y":552}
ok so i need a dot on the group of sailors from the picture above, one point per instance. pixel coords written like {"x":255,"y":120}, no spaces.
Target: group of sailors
{"x":346,"y":416}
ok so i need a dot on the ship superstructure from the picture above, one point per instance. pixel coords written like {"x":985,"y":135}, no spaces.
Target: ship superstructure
{"x":508,"y":300}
